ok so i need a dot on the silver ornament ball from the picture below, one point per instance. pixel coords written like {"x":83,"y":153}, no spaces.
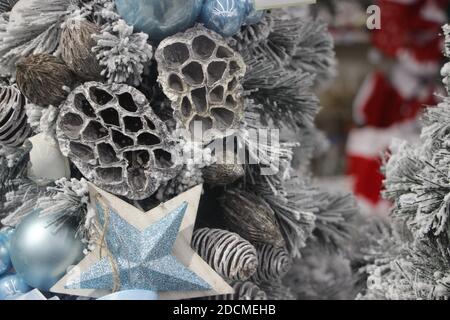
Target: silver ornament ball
{"x":41,"y":251}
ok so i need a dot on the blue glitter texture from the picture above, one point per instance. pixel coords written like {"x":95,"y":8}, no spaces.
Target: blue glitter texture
{"x":144,"y":259}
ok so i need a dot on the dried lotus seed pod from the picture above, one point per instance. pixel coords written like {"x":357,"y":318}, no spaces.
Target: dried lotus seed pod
{"x":112,"y":135}
{"x":202,"y":75}
{"x":14,"y":128}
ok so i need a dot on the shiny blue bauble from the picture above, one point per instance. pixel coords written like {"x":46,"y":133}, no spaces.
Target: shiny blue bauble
{"x":224,"y":16}
{"x":131,"y":295}
{"x":41,"y":251}
{"x":5,"y":259}
{"x":12,"y":285}
{"x":159,"y":18}
{"x":7,"y":232}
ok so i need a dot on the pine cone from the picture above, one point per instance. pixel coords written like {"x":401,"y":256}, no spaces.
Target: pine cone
{"x":274,"y":264}
{"x":7,"y":5}
{"x":14,"y":128}
{"x":222,"y":174}
{"x":252,"y":218}
{"x":227,"y":253}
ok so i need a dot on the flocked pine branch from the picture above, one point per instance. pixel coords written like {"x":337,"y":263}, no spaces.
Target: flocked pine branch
{"x":32,"y":27}
{"x":417,"y":181}
{"x":293,"y":205}
{"x":101,"y":11}
{"x":334,"y":215}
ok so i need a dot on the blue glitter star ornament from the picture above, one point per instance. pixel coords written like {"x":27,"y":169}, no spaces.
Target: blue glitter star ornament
{"x":141,"y":250}
{"x":143,"y":260}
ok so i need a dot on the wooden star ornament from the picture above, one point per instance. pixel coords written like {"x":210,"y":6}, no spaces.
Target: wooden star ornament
{"x":164,"y":261}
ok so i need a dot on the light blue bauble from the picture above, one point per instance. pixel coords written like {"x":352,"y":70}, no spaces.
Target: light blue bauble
{"x":5,"y":259}
{"x":159,"y":18}
{"x":131,"y":295}
{"x":41,"y":252}
{"x":12,"y":285}
{"x":7,"y":232}
{"x":224,"y":16}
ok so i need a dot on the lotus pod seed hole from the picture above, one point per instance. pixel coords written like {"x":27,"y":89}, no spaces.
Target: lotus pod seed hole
{"x":106,"y":153}
{"x":194,"y":73}
{"x":109,"y":175}
{"x":137,"y":161}
{"x":199,"y":99}
{"x":223,"y":116}
{"x":176,"y":54}
{"x":163,"y":159}
{"x":175,"y":83}
{"x":150,"y":123}
{"x":137,"y":158}
{"x":223,"y":53}
{"x":133,"y":124}
{"x":232,"y":84}
{"x":94,"y":131}
{"x":126,"y":102}
{"x":216,"y":95}
{"x":83,"y":105}
{"x":110,"y":117}
{"x":230,"y":102}
{"x":148,"y":139}
{"x":234,"y":67}
{"x":216,"y":70}
{"x":121,"y":140}
{"x":99,"y":96}
{"x":203,"y":47}
{"x":81,"y":151}
{"x":186,"y":107}
{"x":205,"y":123}
{"x":71,"y":124}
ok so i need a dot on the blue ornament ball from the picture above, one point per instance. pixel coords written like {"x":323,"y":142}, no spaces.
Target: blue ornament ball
{"x":41,"y":251}
{"x":224,"y":16}
{"x":159,"y":18}
{"x":5,"y":259}
{"x":7,"y":232}
{"x":12,"y":285}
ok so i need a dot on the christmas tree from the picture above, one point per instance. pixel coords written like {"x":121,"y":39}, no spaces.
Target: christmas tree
{"x":409,"y":259}
{"x":81,"y":79}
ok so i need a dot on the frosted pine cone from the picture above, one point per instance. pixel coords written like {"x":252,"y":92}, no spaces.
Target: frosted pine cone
{"x":14,"y":128}
{"x":227,"y":253}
